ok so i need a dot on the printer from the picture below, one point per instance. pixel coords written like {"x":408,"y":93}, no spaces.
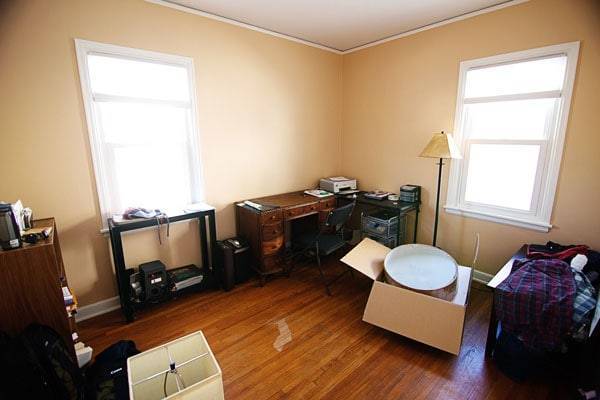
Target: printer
{"x":337,"y":184}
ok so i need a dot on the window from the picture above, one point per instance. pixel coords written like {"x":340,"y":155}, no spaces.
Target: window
{"x":140,"y":109}
{"x":511,"y":118}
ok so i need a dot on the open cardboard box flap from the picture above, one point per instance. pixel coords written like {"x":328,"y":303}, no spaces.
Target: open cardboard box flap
{"x":367,"y":257}
{"x":427,"y":319}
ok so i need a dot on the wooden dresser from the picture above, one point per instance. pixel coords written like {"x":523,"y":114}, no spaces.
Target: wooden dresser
{"x":31,"y":281}
{"x":267,"y":230}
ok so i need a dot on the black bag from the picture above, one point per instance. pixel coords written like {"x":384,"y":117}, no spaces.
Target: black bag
{"x":107,"y":377}
{"x":37,"y":364}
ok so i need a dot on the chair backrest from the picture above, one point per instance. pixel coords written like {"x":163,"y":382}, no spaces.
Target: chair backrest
{"x":339,"y":216}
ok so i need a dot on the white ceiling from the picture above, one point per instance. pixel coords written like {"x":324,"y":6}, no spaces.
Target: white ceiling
{"x":339,"y":24}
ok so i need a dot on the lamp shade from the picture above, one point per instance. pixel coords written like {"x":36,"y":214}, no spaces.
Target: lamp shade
{"x":441,"y":145}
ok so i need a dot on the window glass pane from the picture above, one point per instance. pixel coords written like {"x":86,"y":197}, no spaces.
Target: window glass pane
{"x":154,"y":176}
{"x":522,"y":119}
{"x":131,"y":123}
{"x":124,"y":77}
{"x":521,"y":77}
{"x":502,"y":175}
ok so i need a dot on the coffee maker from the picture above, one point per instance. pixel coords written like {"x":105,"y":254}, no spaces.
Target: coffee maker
{"x":10,"y":233}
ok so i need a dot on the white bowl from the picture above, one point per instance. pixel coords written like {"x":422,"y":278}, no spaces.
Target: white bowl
{"x":420,"y":267}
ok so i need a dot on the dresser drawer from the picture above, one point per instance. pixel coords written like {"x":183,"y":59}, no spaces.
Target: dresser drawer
{"x":328,"y":203}
{"x":270,"y":217}
{"x":272,"y":231}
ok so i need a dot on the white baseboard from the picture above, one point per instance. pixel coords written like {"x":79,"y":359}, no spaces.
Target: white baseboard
{"x":104,"y":306}
{"x":482,"y":277}
{"x":98,"y":308}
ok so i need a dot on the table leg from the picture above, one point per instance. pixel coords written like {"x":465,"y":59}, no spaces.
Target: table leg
{"x":492,"y":331}
{"x":212,"y":226}
{"x":122,"y":276}
{"x":416,"y":225}
{"x":398,"y":230}
{"x":203,"y":241}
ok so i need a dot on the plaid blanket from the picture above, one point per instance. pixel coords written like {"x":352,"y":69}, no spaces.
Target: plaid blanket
{"x":536,"y":302}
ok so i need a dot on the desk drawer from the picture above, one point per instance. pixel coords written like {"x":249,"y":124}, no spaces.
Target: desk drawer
{"x":294,"y":212}
{"x":270,"y":247}
{"x":328,"y":203}
{"x":270,"y":217}
{"x":271,"y":263}
{"x":272,"y":231}
{"x":312,"y":208}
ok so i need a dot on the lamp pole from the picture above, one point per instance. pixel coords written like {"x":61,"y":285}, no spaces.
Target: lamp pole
{"x":437,"y":201}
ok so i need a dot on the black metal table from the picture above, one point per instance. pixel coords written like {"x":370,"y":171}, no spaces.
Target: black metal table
{"x":208,"y":239}
{"x":399,"y":207}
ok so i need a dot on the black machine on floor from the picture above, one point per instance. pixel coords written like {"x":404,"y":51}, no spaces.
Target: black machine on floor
{"x":234,"y":257}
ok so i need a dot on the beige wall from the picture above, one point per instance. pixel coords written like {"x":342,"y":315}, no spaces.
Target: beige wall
{"x":271,"y":119}
{"x":269,"y":114}
{"x":398,"y":94}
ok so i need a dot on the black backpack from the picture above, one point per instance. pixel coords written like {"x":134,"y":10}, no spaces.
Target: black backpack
{"x":107,"y":377}
{"x":37,"y":364}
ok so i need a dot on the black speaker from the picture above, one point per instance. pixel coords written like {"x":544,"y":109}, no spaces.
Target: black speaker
{"x":154,"y":280}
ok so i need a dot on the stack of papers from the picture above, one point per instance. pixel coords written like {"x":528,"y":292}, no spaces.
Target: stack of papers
{"x":318,"y":193}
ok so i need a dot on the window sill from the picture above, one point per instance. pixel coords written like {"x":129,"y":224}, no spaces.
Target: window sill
{"x":501,"y":219}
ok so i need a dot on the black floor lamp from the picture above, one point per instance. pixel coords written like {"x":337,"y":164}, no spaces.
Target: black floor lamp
{"x":440,"y":146}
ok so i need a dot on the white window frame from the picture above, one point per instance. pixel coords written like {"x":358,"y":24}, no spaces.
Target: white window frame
{"x":550,"y":156}
{"x":85,"y":48}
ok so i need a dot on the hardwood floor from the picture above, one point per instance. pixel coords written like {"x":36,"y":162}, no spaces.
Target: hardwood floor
{"x":289,"y":340}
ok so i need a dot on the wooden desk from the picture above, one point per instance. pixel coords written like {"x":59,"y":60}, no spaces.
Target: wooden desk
{"x":496,"y":280}
{"x":267,"y":229}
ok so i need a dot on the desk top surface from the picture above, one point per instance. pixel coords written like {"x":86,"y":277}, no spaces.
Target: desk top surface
{"x":389,"y":204}
{"x":174,"y":215}
{"x":299,"y":198}
{"x":38,"y":223}
{"x":291,"y":199}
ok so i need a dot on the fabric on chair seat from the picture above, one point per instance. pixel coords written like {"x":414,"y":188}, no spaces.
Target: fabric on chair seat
{"x":327,"y":243}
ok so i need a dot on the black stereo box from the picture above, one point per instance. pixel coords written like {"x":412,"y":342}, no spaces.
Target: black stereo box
{"x":154,"y":280}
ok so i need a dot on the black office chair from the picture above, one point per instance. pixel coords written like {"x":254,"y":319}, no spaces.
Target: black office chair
{"x":327,"y":240}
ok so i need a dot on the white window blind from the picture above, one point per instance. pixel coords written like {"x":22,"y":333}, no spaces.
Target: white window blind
{"x":140,"y":110}
{"x":511,"y":120}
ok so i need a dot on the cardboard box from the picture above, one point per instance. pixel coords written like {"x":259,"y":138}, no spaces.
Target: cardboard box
{"x":427,"y":319}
